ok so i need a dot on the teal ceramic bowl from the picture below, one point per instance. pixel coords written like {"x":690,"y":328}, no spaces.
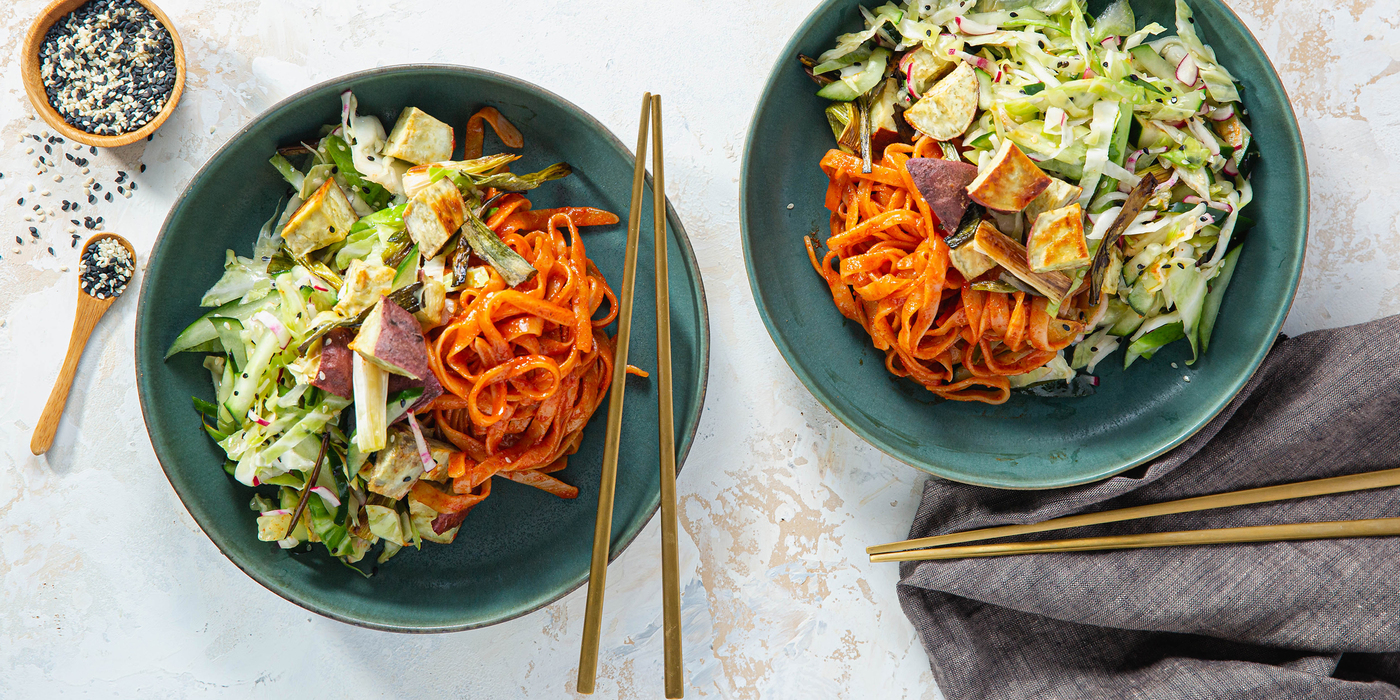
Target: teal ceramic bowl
{"x":522,"y":548}
{"x":1028,"y":442}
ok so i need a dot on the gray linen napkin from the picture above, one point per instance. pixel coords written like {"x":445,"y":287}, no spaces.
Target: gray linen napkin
{"x":1316,"y":619}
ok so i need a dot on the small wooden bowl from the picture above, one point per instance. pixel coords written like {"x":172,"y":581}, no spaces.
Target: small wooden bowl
{"x":30,"y":65}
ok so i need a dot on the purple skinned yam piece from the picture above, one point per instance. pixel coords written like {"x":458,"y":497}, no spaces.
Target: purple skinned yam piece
{"x":943,"y":183}
{"x":334,"y":373}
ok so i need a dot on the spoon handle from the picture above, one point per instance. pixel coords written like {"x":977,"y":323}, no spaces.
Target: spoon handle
{"x":89,"y":312}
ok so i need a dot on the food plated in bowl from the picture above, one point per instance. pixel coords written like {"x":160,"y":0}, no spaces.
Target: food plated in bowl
{"x":960,"y":231}
{"x":398,"y":259}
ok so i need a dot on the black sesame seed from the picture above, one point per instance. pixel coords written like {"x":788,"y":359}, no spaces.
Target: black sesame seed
{"x":109,"y":196}
{"x":48,"y":149}
{"x":33,"y":232}
{"x":19,"y":240}
{"x":143,"y":167}
{"x":92,"y":199}
{"x":50,"y":250}
{"x":20,"y":202}
{"x":97,"y":186}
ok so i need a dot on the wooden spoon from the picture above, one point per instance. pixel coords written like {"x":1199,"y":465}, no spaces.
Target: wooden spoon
{"x":90,"y":311}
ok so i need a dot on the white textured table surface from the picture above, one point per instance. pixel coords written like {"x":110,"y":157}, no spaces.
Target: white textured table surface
{"x":108,"y":588}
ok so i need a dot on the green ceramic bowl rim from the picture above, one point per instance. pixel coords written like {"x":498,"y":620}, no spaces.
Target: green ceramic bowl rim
{"x":789,"y":355}
{"x":689,"y":261}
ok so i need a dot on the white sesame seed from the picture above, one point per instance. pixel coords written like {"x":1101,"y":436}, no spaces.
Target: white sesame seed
{"x":1185,"y":378}
{"x":63,"y":268}
{"x":58,"y":178}
{"x":29,"y":151}
{"x":72,"y":229}
{"x":27,"y":217}
{"x":790,"y":206}
{"x":31,"y":188}
{"x":86,"y":171}
{"x":45,"y":193}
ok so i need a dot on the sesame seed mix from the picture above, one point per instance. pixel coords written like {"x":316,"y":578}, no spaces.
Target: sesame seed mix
{"x":105,"y":268}
{"x":108,"y":67}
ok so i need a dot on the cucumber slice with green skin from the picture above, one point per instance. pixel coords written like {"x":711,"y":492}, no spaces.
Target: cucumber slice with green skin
{"x":229,"y":330}
{"x":1188,"y":289}
{"x":1159,"y":67}
{"x":398,"y":404}
{"x":408,"y":269}
{"x":201,"y":332}
{"x":245,"y":388}
{"x":1148,"y":345}
{"x":1211,"y":309}
{"x":1128,"y":320}
{"x":1140,"y":299}
{"x":851,"y":87}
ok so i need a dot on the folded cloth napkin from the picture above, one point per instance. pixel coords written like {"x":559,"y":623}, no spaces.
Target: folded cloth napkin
{"x":1317,"y":619}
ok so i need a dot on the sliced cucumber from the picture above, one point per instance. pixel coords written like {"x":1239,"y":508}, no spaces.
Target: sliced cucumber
{"x":230,"y":336}
{"x":201,"y":332}
{"x":1188,"y":290}
{"x":1211,"y":309}
{"x":245,"y":388}
{"x":1127,"y":321}
{"x":407,"y":272}
{"x":1140,"y":299}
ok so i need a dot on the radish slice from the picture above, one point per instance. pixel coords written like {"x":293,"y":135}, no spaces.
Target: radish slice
{"x":967,"y":26}
{"x":906,"y":66}
{"x":423,"y":453}
{"x":1191,"y":199}
{"x":1187,"y":71}
{"x":1230,"y":168}
{"x":977,"y":61}
{"x":1110,"y":42}
{"x":271,"y":323}
{"x":279,"y":511}
{"x":258,"y":419}
{"x":1223,"y":113}
{"x":326,"y":495}
{"x":1167,"y":186}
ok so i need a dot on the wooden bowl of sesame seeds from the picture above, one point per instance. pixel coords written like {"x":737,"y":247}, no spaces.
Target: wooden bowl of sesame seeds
{"x":31,"y":70}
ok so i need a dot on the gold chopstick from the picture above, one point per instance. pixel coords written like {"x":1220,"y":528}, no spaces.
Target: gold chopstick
{"x":1281,"y":492}
{"x":670,"y":567}
{"x":602,"y":527}
{"x":1378,"y":527}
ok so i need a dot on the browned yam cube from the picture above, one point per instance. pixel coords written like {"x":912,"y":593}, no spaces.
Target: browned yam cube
{"x":433,"y":215}
{"x":392,"y":340}
{"x":970,"y":263}
{"x":1058,"y":194}
{"x":1012,"y":256}
{"x":323,"y":219}
{"x":943,"y":183}
{"x":333,"y":371}
{"x":1010,"y":182}
{"x":1057,"y":240}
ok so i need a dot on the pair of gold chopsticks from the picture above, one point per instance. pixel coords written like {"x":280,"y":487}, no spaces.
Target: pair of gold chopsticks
{"x":602,"y":530}
{"x":929,"y":548}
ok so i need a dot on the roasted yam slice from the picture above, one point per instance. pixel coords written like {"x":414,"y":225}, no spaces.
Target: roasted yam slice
{"x":1012,"y":256}
{"x":943,"y":183}
{"x":969,"y":262}
{"x":323,"y":219}
{"x":1057,"y":241}
{"x":392,"y":339}
{"x":419,"y":138}
{"x":1010,"y":182}
{"x":364,"y":284}
{"x":1058,"y":194}
{"x":948,"y":108}
{"x":333,"y":370}
{"x":433,"y":215}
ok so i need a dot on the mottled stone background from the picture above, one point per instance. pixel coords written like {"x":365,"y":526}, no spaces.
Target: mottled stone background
{"x":107,"y":587}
